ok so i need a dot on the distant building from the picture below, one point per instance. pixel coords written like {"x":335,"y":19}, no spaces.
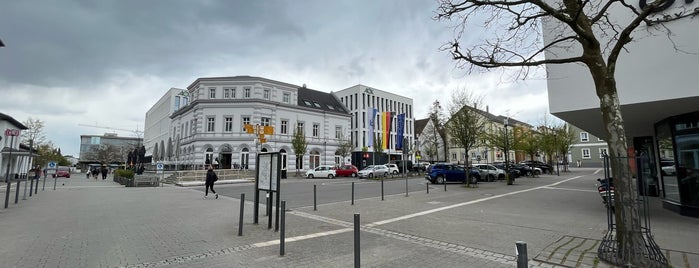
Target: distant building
{"x":106,"y":149}
{"x":429,"y":143}
{"x":587,"y":150}
{"x":157,"y":132}
{"x":210,"y":126}
{"x":360,"y":101}
{"x":12,"y":151}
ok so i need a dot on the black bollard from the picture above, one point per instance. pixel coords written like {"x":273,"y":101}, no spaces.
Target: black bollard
{"x":352,"y":193}
{"x":381,"y":189}
{"x":240,"y":218}
{"x":17,"y":192}
{"x":406,"y":186}
{"x":31,"y":187}
{"x":427,"y":185}
{"x":281,"y":233}
{"x":357,"y":259}
{"x":445,"y":185}
{"x":521,"y":247}
{"x":267,"y":206}
{"x":36,"y":190}
{"x":43,"y":186}
{"x":315,"y":207}
{"x":54,"y":183}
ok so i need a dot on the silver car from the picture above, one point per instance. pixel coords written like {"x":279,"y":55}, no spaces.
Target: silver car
{"x":374,"y":170}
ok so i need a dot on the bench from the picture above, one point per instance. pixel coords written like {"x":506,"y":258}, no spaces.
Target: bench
{"x":145,"y":180}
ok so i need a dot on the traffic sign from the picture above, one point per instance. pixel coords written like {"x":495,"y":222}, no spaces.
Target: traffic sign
{"x":160,"y":166}
{"x":11,"y":132}
{"x":52,"y":165}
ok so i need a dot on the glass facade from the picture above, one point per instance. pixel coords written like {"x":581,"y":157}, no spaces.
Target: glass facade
{"x":678,"y":150}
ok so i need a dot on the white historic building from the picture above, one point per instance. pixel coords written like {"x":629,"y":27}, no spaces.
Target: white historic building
{"x":209,"y":126}
{"x":359,"y":100}
{"x":658,"y":91}
{"x":13,"y":151}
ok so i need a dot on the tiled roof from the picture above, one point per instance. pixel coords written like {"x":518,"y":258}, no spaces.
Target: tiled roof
{"x":315,"y":99}
{"x":240,"y":78}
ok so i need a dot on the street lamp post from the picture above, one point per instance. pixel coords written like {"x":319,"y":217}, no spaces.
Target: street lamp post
{"x":507,"y":155}
{"x":325,"y":149}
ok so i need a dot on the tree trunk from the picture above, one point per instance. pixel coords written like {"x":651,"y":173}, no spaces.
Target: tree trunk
{"x":629,"y":237}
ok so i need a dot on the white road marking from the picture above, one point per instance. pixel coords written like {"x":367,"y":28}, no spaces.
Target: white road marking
{"x":570,"y":189}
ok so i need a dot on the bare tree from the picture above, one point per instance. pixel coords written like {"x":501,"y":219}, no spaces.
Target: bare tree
{"x":466,"y":125}
{"x":437,"y":135}
{"x":585,"y":30}
{"x":34,"y":133}
{"x":344,"y":148}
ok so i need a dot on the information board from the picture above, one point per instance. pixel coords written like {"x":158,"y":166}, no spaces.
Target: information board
{"x":264,"y":174}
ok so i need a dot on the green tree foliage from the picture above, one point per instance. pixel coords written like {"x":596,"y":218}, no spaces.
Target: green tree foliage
{"x":299,"y":145}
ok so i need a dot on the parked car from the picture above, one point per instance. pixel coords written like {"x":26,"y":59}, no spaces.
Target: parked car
{"x":422,"y":166}
{"x":346,"y":171}
{"x":526,"y":170}
{"x":62,"y":172}
{"x":321,"y":171}
{"x":667,"y":167}
{"x":374,"y":170}
{"x":514,"y":172}
{"x":545,"y":168}
{"x":489,"y":172}
{"x":403,"y":165}
{"x":392,"y":168}
{"x":445,"y":172}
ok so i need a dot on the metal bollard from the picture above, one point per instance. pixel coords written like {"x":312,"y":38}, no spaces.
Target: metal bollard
{"x":357,"y":259}
{"x":281,"y":232}
{"x":445,"y":185}
{"x":427,"y":185}
{"x":31,"y":187}
{"x":521,"y":252}
{"x":406,"y":186}
{"x":267,"y":206}
{"x":381,"y":189}
{"x":36,"y":190}
{"x":240,"y":218}
{"x":352,"y":193}
{"x":315,"y":207}
{"x":54,"y":183}
{"x":17,"y":192}
{"x":44,"y":185}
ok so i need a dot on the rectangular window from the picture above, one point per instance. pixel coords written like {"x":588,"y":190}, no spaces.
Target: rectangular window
{"x":285,"y":127}
{"x":453,"y":156}
{"x":210,"y":124}
{"x":584,"y":137}
{"x":265,"y":94}
{"x":338,"y":132}
{"x":177,"y":102}
{"x":228,"y":124}
{"x":245,"y":120}
{"x":193,"y":127}
{"x":586,"y":153}
{"x":299,"y":127}
{"x":316,"y":129}
{"x":287,"y":97}
{"x":226,"y":93}
{"x":233,"y":93}
{"x":602,"y":151}
{"x":265,"y":121}
{"x":246,"y":93}
{"x":212,"y":93}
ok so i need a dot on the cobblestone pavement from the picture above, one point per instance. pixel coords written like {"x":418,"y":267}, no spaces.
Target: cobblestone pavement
{"x":95,"y":223}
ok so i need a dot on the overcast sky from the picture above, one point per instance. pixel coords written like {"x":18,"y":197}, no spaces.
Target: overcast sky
{"x":107,"y":62}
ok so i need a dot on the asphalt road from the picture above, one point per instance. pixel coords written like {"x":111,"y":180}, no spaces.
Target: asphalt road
{"x":298,"y":192}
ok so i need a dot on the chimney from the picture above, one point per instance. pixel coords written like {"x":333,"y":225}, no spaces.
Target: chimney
{"x":304,"y":85}
{"x":475,"y":105}
{"x":487,"y":109}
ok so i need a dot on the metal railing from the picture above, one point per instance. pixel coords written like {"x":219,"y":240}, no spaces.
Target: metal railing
{"x":609,"y":249}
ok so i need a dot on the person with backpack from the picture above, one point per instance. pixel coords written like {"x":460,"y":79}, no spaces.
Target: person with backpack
{"x":210,"y":179}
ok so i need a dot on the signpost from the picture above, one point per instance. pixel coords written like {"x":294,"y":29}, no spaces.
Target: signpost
{"x":159,"y":170}
{"x":12,"y":133}
{"x":267,"y":178}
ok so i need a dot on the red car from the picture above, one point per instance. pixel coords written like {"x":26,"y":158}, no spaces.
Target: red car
{"x":346,"y":171}
{"x":62,"y":172}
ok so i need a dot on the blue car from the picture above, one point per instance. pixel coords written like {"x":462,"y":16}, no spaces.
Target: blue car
{"x":445,"y":172}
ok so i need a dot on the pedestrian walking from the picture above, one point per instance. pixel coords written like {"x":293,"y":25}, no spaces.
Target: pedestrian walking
{"x":104,"y":172}
{"x":87,"y":173}
{"x":210,"y":179}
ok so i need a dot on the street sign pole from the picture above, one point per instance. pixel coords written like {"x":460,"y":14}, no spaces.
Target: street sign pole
{"x":11,"y":133}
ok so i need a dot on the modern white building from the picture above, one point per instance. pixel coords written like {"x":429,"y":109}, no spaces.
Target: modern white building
{"x":359,"y":101}
{"x":658,"y":89}
{"x":157,"y":132}
{"x":210,"y":127}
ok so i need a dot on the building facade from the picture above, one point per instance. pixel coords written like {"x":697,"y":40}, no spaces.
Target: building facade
{"x":363,"y":102}
{"x":587,"y":149}
{"x":211,"y":128}
{"x":15,"y":155}
{"x":106,"y":149}
{"x":157,"y":132}
{"x":659,"y":99}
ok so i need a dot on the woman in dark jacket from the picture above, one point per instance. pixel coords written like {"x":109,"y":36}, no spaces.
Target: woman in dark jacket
{"x":210,"y":179}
